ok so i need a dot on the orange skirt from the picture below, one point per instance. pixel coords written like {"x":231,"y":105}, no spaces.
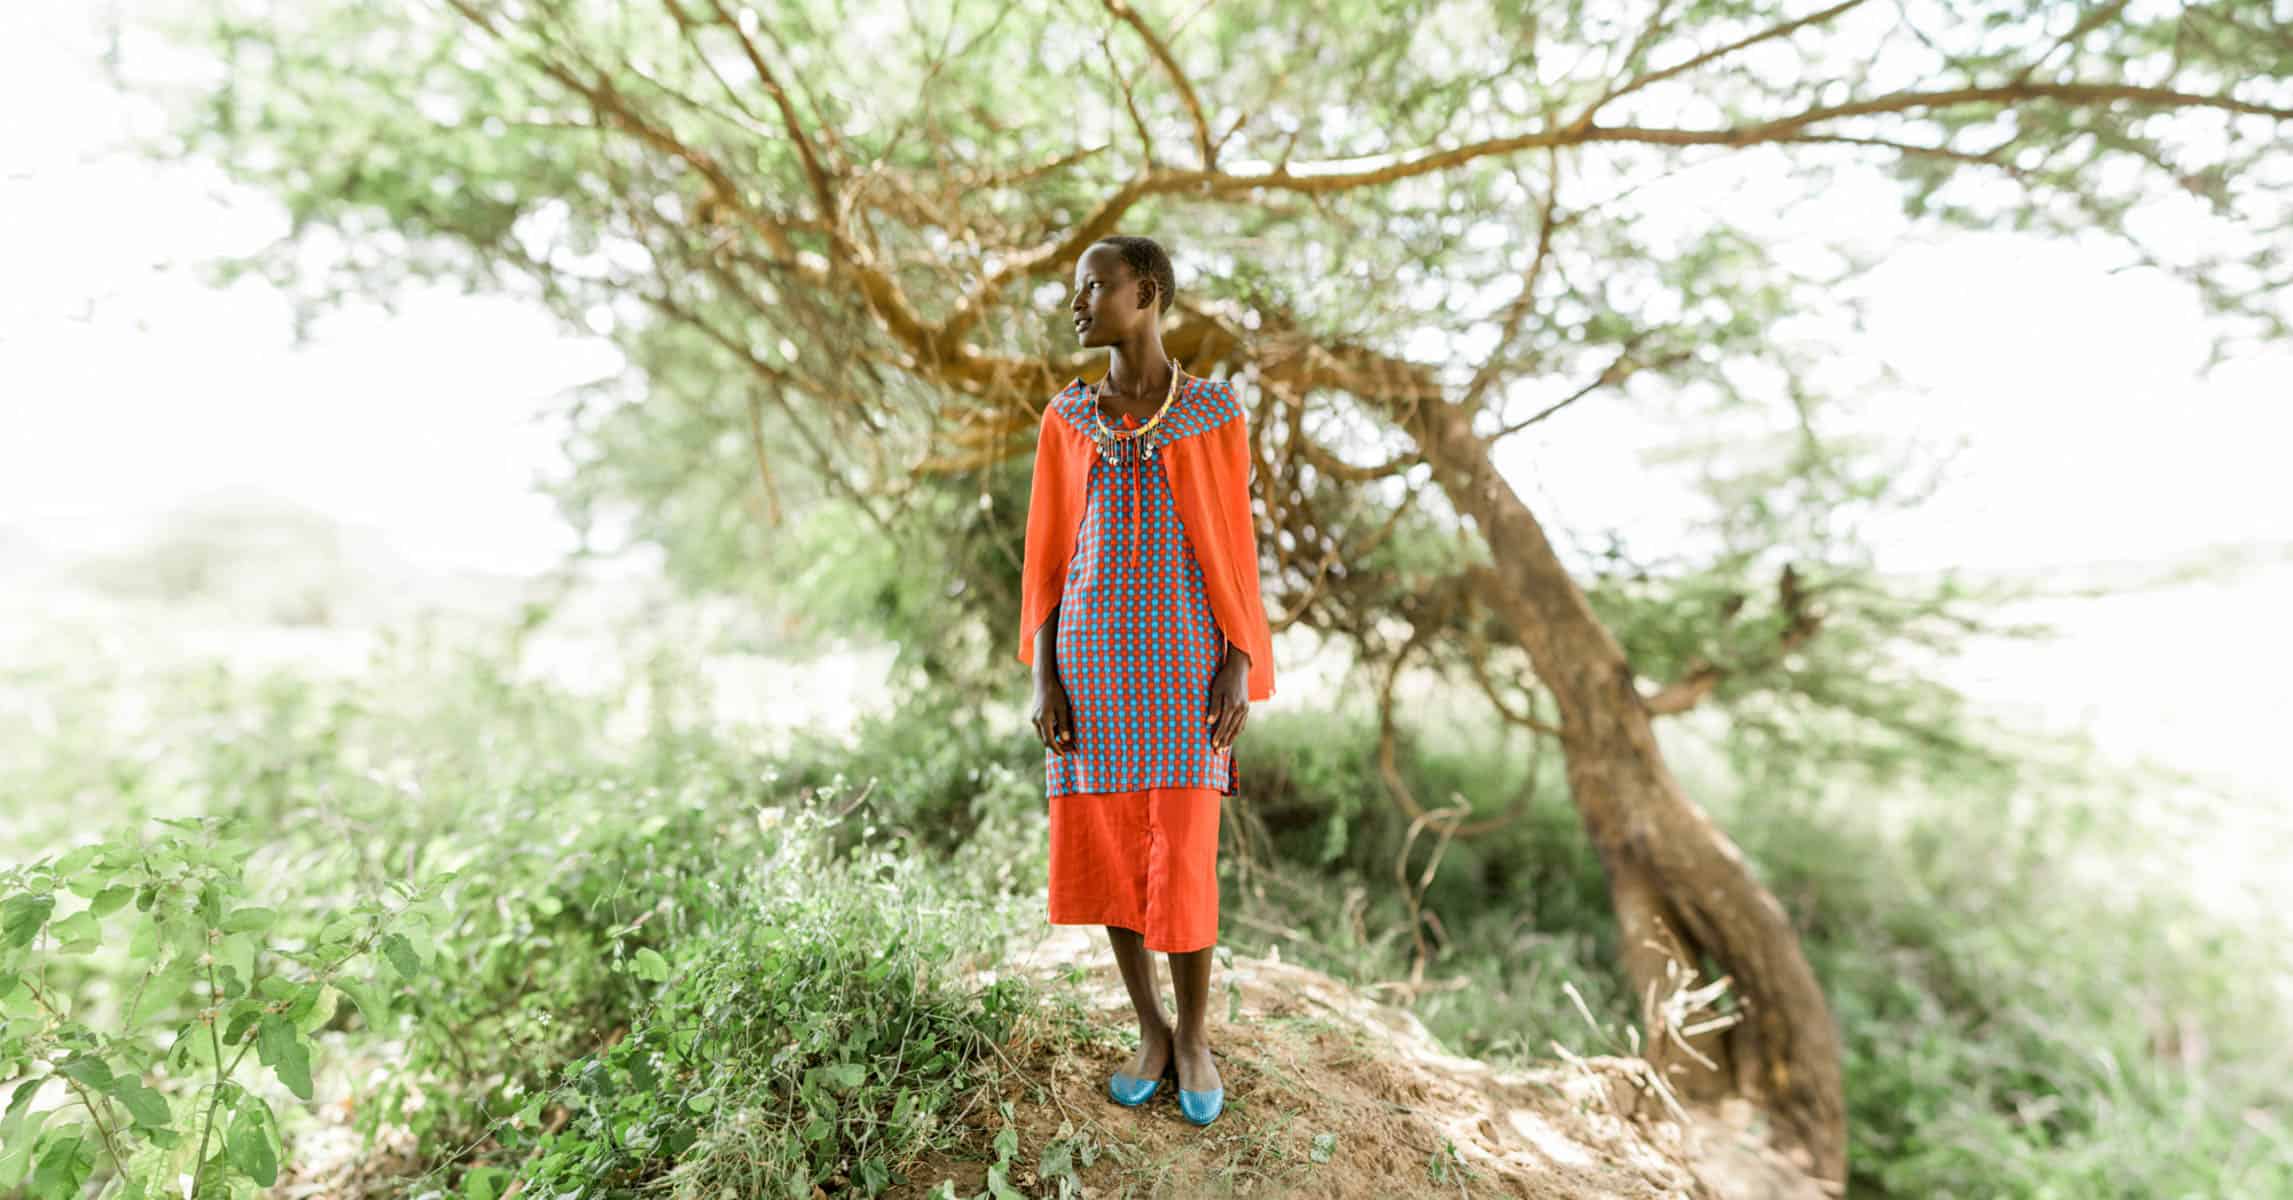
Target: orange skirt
{"x":1144,"y":860}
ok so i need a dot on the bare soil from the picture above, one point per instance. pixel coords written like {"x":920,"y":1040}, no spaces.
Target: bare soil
{"x":1332,"y":1094}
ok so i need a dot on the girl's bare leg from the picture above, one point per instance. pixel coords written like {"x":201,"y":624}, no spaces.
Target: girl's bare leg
{"x":1190,"y":975}
{"x":1138,"y":977}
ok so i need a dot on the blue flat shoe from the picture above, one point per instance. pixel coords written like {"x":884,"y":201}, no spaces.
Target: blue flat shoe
{"x":1202,"y":1107}
{"x":1130,"y":1091}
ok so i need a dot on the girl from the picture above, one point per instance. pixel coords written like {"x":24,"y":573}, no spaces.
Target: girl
{"x":1140,"y":612}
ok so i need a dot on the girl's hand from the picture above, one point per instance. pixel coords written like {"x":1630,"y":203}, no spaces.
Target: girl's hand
{"x":1053,"y":721}
{"x":1229,"y":699}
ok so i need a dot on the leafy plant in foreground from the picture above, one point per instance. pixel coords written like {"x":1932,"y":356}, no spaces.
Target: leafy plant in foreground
{"x":140,"y":1054}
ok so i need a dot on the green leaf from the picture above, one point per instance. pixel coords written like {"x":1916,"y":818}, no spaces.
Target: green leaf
{"x":371,"y":1005}
{"x":282,"y":1051}
{"x":249,"y":920}
{"x":192,"y":1048}
{"x":22,"y":915}
{"x":64,"y":1166}
{"x":146,"y":1107}
{"x":244,"y":1014}
{"x":238,"y":953}
{"x":16,"y":1155}
{"x":1324,"y":1143}
{"x":161,"y":991}
{"x":110,"y":900}
{"x":86,"y":1069}
{"x":484,"y":1183}
{"x":314,"y":1008}
{"x":78,"y":933}
{"x":19,"y":1132}
{"x":248,"y":1144}
{"x":650,"y":965}
{"x":77,"y":858}
{"x":847,"y":1075}
{"x":400,"y":952}
{"x":18,"y":1101}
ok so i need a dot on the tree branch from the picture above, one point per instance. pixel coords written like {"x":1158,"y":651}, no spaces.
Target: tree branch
{"x":1584,"y":119}
{"x":1155,"y":45}
{"x":1702,"y":675}
{"x":823,"y":190}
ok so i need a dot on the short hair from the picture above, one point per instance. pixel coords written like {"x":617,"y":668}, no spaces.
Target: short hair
{"x":1147,"y":260}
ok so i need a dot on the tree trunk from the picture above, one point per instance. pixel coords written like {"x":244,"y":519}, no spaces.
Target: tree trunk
{"x":1682,"y":891}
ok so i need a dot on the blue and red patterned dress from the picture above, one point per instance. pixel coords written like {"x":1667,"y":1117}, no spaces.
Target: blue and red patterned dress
{"x":1135,"y":802}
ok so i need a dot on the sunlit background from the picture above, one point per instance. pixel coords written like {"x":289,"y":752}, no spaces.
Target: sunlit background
{"x":2087,"y":448}
{"x":182,"y":481}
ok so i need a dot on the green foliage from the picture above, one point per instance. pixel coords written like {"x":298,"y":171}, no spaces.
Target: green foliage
{"x":571,"y":958}
{"x":2024,"y":1014}
{"x":805,"y":1030}
{"x":136,"y":1010}
{"x":2021,"y":1016}
{"x":935,"y":771}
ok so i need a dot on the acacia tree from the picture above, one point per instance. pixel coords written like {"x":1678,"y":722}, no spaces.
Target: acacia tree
{"x":834,"y":240}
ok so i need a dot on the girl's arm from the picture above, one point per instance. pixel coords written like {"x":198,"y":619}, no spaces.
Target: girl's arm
{"x":1054,"y":722}
{"x":1046,"y":637}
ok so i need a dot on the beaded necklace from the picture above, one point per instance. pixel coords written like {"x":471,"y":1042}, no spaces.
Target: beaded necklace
{"x":1130,"y":435}
{"x":1098,"y":389}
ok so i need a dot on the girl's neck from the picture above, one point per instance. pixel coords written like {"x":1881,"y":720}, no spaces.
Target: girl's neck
{"x":1138,"y":378}
{"x":1139,"y":411}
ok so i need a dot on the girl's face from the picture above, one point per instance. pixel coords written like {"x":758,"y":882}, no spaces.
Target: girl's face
{"x":1110,"y":300}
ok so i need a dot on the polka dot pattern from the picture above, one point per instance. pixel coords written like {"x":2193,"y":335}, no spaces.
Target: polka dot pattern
{"x":1137,"y":645}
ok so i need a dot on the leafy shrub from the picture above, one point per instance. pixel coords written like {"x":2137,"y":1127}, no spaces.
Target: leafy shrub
{"x":2023,"y":1013}
{"x":808,"y":1032}
{"x":933,"y":768}
{"x":207,"y":979}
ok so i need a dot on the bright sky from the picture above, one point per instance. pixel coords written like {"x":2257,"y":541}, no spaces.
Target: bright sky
{"x":131,"y":387}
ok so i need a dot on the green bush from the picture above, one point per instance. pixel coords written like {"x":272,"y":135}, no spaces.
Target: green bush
{"x":601,"y":965}
{"x":207,"y":977}
{"x":809,"y":1031}
{"x":933,"y":767}
{"x":522,"y":893}
{"x":2021,"y":1021}
{"x":2019,"y":1013}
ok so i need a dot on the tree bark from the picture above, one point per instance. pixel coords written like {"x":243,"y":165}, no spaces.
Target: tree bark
{"x":1682,"y":891}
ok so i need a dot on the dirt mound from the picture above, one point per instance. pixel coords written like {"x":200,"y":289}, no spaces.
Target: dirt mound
{"x":1334,"y":1095}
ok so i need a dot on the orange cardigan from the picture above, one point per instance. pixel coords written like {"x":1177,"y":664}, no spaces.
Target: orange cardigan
{"x":1209,"y":474}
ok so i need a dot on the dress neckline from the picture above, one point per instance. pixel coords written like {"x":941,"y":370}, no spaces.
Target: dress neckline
{"x":1099,"y":416}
